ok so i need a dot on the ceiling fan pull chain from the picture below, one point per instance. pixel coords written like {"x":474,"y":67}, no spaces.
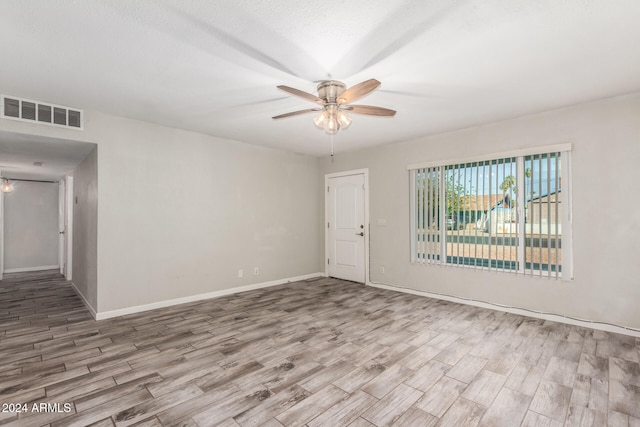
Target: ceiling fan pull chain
{"x":331,"y":148}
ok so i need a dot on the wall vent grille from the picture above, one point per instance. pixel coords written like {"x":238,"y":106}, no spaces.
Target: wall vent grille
{"x":27,"y":110}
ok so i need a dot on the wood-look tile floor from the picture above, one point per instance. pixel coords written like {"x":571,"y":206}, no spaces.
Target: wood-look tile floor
{"x":323,"y":352}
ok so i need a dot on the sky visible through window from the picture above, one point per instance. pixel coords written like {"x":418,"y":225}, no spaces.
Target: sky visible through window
{"x":483,"y":178}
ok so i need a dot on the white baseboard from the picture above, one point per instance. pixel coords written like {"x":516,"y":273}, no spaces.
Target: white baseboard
{"x":91,"y":309}
{"x":40,"y":268}
{"x":199,"y":297}
{"x":521,"y":311}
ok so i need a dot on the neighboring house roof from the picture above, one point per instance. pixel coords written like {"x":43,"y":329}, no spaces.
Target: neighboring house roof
{"x":552,"y":196}
{"x":482,"y":202}
{"x":487,"y":202}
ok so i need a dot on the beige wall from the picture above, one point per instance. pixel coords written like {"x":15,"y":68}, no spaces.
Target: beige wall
{"x":31,"y":226}
{"x":606,"y":225}
{"x":85,"y":229}
{"x":180,"y":213}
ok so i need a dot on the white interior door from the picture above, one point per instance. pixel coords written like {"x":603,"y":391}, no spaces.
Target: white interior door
{"x":68,"y":227}
{"x":346,"y":227}
{"x":62,"y":203}
{"x":65,"y":225}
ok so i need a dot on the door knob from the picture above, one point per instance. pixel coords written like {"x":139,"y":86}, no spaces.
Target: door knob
{"x":360,"y":233}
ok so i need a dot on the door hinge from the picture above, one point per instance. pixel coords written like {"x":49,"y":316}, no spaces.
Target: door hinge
{"x":327,"y":188}
{"x":328,"y":226}
{"x":327,"y":261}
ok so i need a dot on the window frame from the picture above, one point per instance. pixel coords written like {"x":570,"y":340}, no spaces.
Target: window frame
{"x":566,"y":249}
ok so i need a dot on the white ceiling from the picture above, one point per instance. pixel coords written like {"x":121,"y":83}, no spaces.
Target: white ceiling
{"x":19,"y":152}
{"x":213,"y":66}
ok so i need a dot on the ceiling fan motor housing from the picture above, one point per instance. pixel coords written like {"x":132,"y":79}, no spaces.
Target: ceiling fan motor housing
{"x":330,"y":90}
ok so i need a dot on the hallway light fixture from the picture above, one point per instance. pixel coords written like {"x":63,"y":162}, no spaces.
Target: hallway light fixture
{"x":6,"y":186}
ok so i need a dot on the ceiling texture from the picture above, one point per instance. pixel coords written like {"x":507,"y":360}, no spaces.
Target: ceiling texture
{"x":212,"y":66}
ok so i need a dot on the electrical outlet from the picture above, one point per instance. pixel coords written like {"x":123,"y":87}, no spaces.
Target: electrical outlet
{"x":381,"y":270}
{"x":240,"y":274}
{"x":256,"y":271}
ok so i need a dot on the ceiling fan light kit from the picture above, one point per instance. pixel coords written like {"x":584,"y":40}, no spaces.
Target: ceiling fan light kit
{"x":334,"y":97}
{"x":332,"y":119}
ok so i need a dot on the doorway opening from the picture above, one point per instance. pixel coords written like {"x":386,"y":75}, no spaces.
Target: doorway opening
{"x":36,"y":217}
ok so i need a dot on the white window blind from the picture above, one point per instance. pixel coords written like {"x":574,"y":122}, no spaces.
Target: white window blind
{"x":508,"y":213}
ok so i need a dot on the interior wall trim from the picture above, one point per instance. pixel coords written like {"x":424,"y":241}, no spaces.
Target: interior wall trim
{"x":91,"y":308}
{"x":215,"y":294}
{"x":608,"y":327}
{"x":39,"y":268}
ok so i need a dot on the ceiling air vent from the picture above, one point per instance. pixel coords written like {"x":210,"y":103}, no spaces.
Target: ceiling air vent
{"x":40,"y":112}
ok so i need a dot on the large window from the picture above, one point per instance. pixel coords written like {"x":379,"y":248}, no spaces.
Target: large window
{"x":509,"y":213}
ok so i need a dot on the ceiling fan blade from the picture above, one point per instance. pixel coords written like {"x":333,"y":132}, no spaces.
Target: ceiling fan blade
{"x":397,"y":30}
{"x":369,"y":110}
{"x":301,"y":94}
{"x":295,"y":113}
{"x":358,"y":91}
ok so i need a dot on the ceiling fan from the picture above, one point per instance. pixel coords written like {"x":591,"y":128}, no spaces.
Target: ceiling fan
{"x":335,"y":101}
